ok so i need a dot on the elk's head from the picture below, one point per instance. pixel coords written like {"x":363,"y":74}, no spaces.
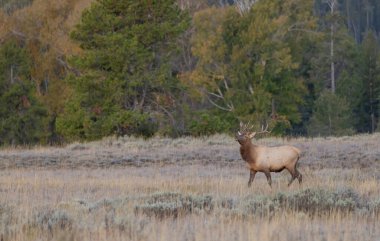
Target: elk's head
{"x":245,"y":134}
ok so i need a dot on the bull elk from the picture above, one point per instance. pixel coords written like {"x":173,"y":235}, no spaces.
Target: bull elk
{"x":267,"y":159}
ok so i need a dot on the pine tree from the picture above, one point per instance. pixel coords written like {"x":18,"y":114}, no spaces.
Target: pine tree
{"x":126,"y":69}
{"x":370,"y":77}
{"x":332,"y":116}
{"x":23,"y":119}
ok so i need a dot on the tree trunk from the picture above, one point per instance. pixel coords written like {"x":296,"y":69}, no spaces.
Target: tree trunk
{"x":53,"y":138}
{"x":12,"y":78}
{"x":332,"y":9}
{"x":371,"y":104}
{"x":332,"y":61}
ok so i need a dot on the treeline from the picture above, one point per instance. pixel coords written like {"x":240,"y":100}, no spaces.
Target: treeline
{"x":84,"y":69}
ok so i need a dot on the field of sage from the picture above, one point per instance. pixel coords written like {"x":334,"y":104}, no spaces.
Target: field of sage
{"x":188,"y":189}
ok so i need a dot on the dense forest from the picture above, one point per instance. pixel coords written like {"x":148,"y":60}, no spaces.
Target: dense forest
{"x":83,"y":69}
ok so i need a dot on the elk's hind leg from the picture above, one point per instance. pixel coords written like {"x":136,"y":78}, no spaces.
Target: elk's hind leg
{"x":292,"y":172}
{"x":269,"y":178}
{"x":295,"y":174}
{"x":299,"y":176}
{"x":251,"y":177}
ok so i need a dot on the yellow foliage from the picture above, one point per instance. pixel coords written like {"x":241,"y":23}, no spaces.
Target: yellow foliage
{"x":45,"y":28}
{"x":208,"y":44}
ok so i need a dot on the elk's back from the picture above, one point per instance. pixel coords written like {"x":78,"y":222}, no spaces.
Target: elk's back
{"x":277,"y":158}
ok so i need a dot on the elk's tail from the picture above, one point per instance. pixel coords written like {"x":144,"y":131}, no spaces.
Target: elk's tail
{"x":298,"y":151}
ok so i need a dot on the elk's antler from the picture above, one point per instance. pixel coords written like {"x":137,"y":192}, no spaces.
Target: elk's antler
{"x":263,"y":130}
{"x":245,"y":127}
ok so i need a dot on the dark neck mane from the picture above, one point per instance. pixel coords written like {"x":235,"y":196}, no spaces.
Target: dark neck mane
{"x":246,"y":151}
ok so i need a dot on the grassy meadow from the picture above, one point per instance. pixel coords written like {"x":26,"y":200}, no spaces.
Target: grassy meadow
{"x":189,"y":189}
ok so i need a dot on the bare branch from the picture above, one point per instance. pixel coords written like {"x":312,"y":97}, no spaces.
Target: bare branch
{"x":331,"y":4}
{"x":18,"y":33}
{"x":67,"y":66}
{"x":244,"y":6}
{"x":220,"y":93}
{"x":228,"y":104}
{"x":167,"y":112}
{"x":229,"y":107}
{"x":59,"y":52}
{"x":299,"y":27}
{"x":250,"y":88}
{"x":226,"y":84}
{"x":216,"y":95}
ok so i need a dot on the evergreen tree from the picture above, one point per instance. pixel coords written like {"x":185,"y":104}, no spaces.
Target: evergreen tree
{"x":126,"y":68}
{"x":332,"y":116}
{"x":334,"y":68}
{"x":368,"y":107}
{"x":336,"y":48}
{"x":22,"y":117}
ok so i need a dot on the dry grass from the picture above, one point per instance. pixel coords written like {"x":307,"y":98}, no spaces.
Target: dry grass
{"x":345,"y":152}
{"x":188,"y":189}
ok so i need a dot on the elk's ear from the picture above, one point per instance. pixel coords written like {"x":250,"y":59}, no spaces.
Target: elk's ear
{"x":239,"y":133}
{"x":252,"y":135}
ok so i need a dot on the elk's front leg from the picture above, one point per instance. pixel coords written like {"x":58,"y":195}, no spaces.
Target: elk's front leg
{"x":269,"y":178}
{"x":252,"y":174}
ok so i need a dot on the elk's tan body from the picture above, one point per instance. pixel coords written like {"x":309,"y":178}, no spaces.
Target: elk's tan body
{"x":272,"y":159}
{"x":268,"y":159}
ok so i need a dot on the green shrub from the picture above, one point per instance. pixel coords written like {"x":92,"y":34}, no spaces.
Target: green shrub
{"x":24,"y":120}
{"x":208,"y":123}
{"x":79,"y":125}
